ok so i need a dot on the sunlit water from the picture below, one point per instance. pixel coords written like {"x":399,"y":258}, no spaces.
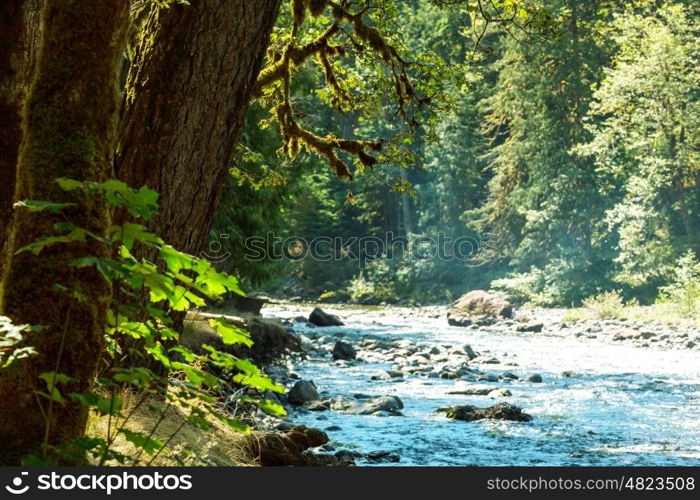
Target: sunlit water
{"x":626,"y":406}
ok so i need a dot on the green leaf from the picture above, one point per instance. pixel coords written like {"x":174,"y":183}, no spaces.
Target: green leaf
{"x":130,"y":233}
{"x":176,"y":260}
{"x":10,"y":337}
{"x":70,"y":184}
{"x":149,"y":444}
{"x":233,"y":424}
{"x":76,"y":235}
{"x":40,"y":206}
{"x":141,"y":202}
{"x":106,"y":406}
{"x":271,"y":408}
{"x":52,"y":380}
{"x":230,"y":333}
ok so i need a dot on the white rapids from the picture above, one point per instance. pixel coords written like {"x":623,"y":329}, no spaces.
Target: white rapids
{"x":625,"y":405}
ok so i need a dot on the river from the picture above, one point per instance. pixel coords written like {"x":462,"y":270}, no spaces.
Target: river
{"x":617,"y":405}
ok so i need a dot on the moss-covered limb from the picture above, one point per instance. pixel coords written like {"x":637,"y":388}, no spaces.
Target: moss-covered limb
{"x":290,"y":57}
{"x":69,"y":131}
{"x":19,"y":30}
{"x":348,"y":22}
{"x":295,"y":136}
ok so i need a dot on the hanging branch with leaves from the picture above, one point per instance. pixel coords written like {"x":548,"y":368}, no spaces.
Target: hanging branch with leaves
{"x":347,"y":23}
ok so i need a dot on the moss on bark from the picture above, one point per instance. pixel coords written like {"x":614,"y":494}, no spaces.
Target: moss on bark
{"x":19,"y":30}
{"x":69,"y":131}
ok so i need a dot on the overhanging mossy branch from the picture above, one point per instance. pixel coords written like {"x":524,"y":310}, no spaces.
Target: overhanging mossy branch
{"x":275,"y":80}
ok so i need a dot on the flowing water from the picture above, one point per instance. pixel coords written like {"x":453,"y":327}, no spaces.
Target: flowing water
{"x":625,"y":405}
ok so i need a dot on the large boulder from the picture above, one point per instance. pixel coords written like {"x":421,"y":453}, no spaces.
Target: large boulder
{"x":319,"y":317}
{"x":343,"y":350}
{"x":477,"y":306}
{"x":243,"y":303}
{"x":501,"y":411}
{"x":271,"y":339}
{"x":302,"y":392}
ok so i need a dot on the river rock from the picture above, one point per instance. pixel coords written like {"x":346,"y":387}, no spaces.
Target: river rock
{"x":319,"y":317}
{"x":501,"y":411}
{"x":500,"y":393}
{"x":343,"y":350}
{"x":302,"y":392}
{"x":478,"y":306}
{"x":469,"y":351}
{"x":387,"y":375}
{"x":535,"y":378}
{"x":346,"y":455}
{"x":275,"y":449}
{"x":318,"y":405}
{"x":530,"y":327}
{"x":378,"y":457}
{"x":474,"y":390}
{"x":389,"y":404}
{"x":382,"y":375}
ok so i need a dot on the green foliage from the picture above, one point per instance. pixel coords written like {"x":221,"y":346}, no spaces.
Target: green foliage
{"x":568,"y":139}
{"x":192,"y":382}
{"x":606,"y":305}
{"x":683,"y":291}
{"x":11,"y":337}
{"x":645,"y":121}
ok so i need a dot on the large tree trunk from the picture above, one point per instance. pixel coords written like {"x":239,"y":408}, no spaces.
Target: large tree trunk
{"x":69,"y":131}
{"x":19,"y":35}
{"x":187,"y":92}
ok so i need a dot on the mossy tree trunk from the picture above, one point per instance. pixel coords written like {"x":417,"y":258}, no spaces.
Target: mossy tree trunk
{"x":186,"y":96}
{"x":19,"y":34}
{"x":69,"y":131}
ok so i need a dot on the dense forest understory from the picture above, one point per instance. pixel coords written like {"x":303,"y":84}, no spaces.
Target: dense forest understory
{"x":535,"y":163}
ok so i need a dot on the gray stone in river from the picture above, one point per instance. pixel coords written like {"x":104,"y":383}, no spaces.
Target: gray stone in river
{"x":345,"y":455}
{"x":317,"y":405}
{"x":475,"y":390}
{"x":469,"y":351}
{"x":535,"y":378}
{"x":319,"y":317}
{"x":530,"y":327}
{"x":343,"y":350}
{"x":389,"y":404}
{"x":500,"y":393}
{"x":387,"y":375}
{"x":302,"y":392}
{"x":382,"y":457}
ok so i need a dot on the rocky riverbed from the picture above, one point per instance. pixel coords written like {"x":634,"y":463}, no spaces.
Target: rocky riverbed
{"x":401,"y":386}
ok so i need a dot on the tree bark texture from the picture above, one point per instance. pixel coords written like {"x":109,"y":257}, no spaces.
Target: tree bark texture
{"x":186,"y":96}
{"x":69,"y":131}
{"x":19,"y":37}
